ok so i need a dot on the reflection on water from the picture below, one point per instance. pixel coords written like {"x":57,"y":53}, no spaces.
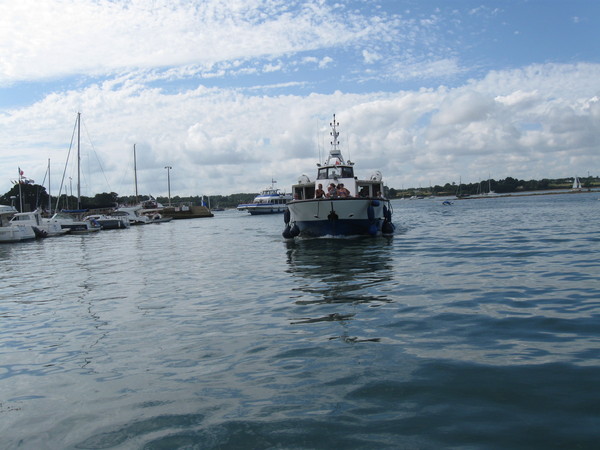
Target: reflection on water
{"x":340,"y":270}
{"x":474,"y":324}
{"x":335,"y":280}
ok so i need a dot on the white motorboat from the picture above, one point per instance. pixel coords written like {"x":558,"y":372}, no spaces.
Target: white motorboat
{"x":133,"y":214}
{"x":350,"y":207}
{"x":268,"y":201}
{"x":138,"y":215}
{"x":12,"y":232}
{"x":74,"y":223}
{"x":42,"y":227}
{"x":117,"y":220}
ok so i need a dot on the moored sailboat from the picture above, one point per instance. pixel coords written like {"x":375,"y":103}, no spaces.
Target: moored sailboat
{"x":74,"y":220}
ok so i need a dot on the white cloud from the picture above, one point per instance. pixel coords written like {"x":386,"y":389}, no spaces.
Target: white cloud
{"x":370,"y":57}
{"x":324,"y":62}
{"x":56,"y":38}
{"x":225,"y":141}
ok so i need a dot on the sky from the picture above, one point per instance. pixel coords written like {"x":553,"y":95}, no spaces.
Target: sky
{"x":232,"y":94}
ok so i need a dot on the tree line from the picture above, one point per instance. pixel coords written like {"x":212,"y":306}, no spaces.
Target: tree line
{"x":505,"y":186}
{"x":34,"y":195}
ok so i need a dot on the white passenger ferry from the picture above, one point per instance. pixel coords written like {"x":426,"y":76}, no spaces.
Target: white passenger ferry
{"x":268,"y":201}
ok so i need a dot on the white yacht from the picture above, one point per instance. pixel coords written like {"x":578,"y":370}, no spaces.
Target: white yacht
{"x":42,"y":227}
{"x":72,"y":221}
{"x":11,"y":232}
{"x":268,"y":201}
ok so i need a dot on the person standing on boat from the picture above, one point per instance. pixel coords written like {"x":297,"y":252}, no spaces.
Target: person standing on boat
{"x":320,"y":193}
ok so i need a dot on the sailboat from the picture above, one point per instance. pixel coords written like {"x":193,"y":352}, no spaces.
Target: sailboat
{"x":73,"y":220}
{"x":576,"y":184}
{"x":145,"y":212}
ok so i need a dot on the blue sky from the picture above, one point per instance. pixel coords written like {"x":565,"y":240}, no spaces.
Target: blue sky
{"x":234,"y":93}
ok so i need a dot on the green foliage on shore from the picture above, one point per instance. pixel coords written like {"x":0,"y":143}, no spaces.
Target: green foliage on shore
{"x":35,"y":195}
{"x":505,"y":186}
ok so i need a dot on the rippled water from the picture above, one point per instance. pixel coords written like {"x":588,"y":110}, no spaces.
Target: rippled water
{"x":476,"y":326}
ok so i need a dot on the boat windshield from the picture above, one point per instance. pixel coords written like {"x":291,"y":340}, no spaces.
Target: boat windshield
{"x":335,"y":172}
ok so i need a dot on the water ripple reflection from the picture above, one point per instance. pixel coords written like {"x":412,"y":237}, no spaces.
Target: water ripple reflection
{"x":476,"y":326}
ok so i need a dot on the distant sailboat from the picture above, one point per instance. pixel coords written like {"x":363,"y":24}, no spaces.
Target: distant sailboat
{"x":490,"y":192}
{"x":576,"y":184}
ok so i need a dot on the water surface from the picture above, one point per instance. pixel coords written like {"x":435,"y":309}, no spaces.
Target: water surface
{"x":476,"y":326}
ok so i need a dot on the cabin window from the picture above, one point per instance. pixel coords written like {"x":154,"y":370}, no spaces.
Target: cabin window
{"x":310,"y":192}
{"x":363,"y":191}
{"x":334,"y":172}
{"x":347,"y":172}
{"x":322,"y":175}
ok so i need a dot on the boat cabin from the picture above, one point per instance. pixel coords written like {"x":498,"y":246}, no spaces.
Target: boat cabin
{"x":305,"y":189}
{"x":28,"y":218}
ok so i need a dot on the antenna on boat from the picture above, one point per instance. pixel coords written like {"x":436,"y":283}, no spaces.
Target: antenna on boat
{"x":335,"y":151}
{"x":334,"y":133}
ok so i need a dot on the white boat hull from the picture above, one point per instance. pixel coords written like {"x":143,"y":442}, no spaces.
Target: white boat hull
{"x":263,"y":209}
{"x":338,"y":217}
{"x":16,"y":233}
{"x":41,"y":226}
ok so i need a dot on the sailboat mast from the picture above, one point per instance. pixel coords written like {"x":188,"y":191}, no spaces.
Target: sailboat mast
{"x":78,"y":160}
{"x":135,"y":174}
{"x":49,"y":194}
{"x":20,"y":193}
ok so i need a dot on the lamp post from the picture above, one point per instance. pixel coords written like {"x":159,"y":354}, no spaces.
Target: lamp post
{"x":169,"y":181}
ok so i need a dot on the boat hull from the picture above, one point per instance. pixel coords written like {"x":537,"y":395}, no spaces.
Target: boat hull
{"x":113,"y":224}
{"x":80,"y":227}
{"x":263,"y":209}
{"x":16,"y":233}
{"x":338,"y":217}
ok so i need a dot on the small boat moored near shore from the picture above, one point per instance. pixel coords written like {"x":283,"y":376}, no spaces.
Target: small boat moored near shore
{"x":11,"y":232}
{"x":42,"y":227}
{"x":114,"y":221}
{"x":346,"y":206}
{"x":73,"y":221}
